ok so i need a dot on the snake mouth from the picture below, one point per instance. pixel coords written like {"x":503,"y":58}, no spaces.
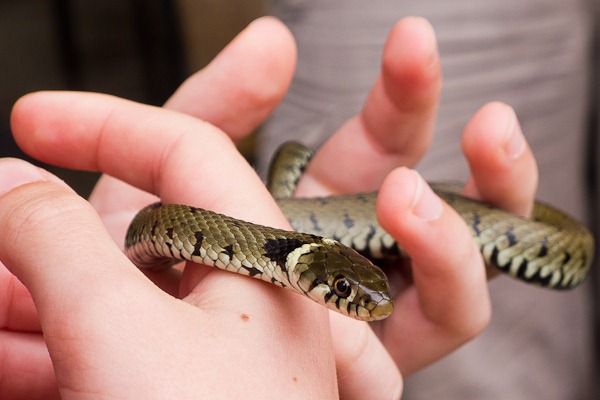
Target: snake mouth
{"x":383,"y":310}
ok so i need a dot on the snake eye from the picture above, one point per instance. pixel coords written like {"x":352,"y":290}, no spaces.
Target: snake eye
{"x":342,"y":287}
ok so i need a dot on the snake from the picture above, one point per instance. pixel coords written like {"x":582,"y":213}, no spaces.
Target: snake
{"x":332,"y":255}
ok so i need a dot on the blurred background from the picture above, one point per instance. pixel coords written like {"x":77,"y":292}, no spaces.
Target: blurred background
{"x":137,"y":49}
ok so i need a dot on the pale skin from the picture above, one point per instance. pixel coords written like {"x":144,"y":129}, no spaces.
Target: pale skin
{"x":110,"y":332}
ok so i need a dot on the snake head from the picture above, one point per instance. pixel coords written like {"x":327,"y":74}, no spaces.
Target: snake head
{"x":342,"y":280}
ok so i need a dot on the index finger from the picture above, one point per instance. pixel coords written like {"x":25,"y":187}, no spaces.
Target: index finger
{"x":162,"y":152}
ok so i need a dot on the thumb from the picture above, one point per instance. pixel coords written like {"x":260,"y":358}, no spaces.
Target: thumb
{"x":55,"y":243}
{"x":44,"y":224}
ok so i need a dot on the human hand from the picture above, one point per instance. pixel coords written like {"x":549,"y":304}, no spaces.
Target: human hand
{"x":448,"y":303}
{"x":109,"y":330}
{"x":117,"y":202}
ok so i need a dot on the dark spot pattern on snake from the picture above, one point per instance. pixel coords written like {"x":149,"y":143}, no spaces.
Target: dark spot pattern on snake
{"x":199,"y":238}
{"x":278,"y":249}
{"x":228,"y":250}
{"x":252,"y":271}
{"x":510,"y":235}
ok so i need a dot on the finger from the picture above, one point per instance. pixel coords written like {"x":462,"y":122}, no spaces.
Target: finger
{"x":37,"y":215}
{"x":244,"y":83}
{"x":25,"y":371}
{"x":396,"y":124}
{"x":365,"y":369}
{"x":39,"y":198}
{"x":449,"y":302}
{"x":97,"y":132}
{"x":183,"y":159}
{"x":504,"y":171}
{"x":86,"y":291}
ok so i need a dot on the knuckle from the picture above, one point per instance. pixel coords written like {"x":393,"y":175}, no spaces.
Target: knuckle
{"x":39,"y":208}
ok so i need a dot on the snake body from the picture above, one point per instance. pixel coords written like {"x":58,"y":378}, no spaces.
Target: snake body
{"x":551,"y":249}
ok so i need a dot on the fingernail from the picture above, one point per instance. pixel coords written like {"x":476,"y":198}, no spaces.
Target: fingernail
{"x":14,"y":173}
{"x":426,"y":30}
{"x":426,"y":204}
{"x":515,"y":142}
{"x":433,"y":44}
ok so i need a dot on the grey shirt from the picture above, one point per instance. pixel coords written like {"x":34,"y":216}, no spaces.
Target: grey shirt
{"x":532,"y":54}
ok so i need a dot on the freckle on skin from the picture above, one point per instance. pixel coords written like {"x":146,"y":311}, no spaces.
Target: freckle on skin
{"x":244,"y":317}
{"x":295,"y":379}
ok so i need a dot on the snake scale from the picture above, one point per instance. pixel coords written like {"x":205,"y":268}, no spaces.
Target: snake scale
{"x":321,"y":259}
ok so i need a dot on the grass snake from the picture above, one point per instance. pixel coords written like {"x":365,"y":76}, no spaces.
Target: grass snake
{"x":321,"y":259}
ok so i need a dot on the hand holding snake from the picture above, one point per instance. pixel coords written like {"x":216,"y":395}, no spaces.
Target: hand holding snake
{"x":448,"y":303}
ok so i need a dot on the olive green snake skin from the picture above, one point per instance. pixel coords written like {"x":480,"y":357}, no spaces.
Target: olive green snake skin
{"x":551,"y":249}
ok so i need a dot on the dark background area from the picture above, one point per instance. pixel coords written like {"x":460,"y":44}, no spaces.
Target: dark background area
{"x":137,"y":49}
